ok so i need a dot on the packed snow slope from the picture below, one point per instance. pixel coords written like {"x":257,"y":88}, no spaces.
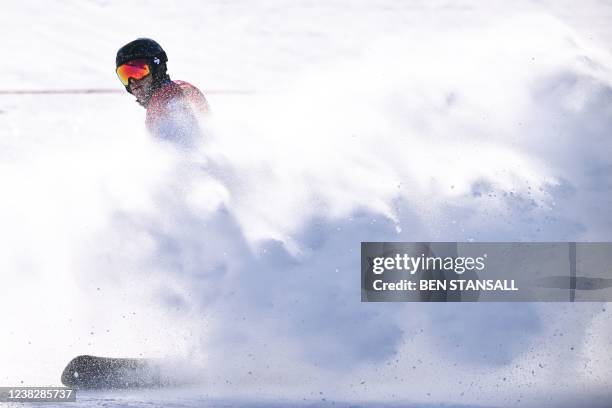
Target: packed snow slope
{"x":374,"y":121}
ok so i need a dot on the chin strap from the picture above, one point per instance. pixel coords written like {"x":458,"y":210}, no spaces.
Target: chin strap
{"x":141,"y":103}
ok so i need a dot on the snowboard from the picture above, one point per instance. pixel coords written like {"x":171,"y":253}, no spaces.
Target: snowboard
{"x":91,"y":372}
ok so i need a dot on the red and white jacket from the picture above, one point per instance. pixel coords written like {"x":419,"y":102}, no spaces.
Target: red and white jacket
{"x":174,"y":111}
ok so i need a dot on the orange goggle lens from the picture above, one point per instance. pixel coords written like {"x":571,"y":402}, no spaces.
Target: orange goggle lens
{"x":136,"y":69}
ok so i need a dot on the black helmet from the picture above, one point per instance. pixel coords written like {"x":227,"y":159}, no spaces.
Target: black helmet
{"x":141,"y":48}
{"x":145,"y":48}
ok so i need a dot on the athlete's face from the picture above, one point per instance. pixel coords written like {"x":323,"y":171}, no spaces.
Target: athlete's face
{"x":142,"y":88}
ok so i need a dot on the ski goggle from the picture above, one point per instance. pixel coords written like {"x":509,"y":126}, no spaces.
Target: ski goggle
{"x":136,"y":69}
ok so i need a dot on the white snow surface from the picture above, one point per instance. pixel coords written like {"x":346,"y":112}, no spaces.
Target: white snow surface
{"x":373,"y":121}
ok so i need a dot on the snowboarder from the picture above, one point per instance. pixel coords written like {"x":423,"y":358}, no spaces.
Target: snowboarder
{"x":173,"y":107}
